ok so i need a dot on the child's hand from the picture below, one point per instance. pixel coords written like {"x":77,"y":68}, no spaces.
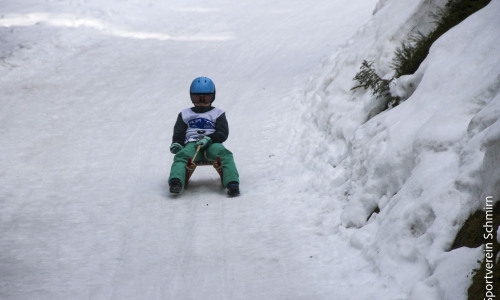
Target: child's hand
{"x":176,"y":147}
{"x":204,"y":142}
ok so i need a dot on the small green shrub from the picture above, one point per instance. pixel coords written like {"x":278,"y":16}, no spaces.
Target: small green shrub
{"x":369,"y":79}
{"x":413,"y":51}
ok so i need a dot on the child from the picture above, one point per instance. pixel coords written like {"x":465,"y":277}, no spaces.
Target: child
{"x":203,"y":125}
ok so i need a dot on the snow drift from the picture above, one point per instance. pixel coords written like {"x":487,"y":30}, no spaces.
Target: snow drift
{"x":419,"y":170}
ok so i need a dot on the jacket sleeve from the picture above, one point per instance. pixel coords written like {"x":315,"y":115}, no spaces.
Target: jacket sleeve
{"x":221,"y":130}
{"x":180,"y":129}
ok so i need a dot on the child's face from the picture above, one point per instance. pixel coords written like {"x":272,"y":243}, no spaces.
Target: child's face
{"x":202,"y":100}
{"x":202,"y":104}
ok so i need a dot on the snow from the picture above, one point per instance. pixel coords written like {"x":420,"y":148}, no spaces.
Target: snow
{"x":89,"y":94}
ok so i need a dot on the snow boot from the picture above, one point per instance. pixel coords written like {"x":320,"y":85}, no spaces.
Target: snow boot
{"x":233,"y":188}
{"x":175,"y":185}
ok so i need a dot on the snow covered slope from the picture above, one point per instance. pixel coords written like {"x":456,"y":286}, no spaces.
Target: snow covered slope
{"x":89,"y":93}
{"x":426,"y":164}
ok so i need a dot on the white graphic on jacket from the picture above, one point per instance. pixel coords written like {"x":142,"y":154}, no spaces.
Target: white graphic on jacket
{"x":200,"y":124}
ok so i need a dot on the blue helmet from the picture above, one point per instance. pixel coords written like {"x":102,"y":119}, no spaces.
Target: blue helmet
{"x":202,"y":85}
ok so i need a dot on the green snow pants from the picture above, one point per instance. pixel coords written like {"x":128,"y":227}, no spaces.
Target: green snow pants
{"x":229,"y":171}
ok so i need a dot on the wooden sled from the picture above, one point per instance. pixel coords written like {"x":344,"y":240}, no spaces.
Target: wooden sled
{"x":191,"y":166}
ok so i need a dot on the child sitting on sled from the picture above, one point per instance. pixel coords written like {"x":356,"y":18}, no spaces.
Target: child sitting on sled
{"x":206,"y":126}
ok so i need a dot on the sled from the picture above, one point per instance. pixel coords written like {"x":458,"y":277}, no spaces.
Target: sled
{"x":191,"y":166}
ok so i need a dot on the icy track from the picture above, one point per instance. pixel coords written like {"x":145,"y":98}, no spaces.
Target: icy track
{"x":89,"y":95}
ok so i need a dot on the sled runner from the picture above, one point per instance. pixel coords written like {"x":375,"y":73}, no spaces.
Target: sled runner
{"x":191,"y":166}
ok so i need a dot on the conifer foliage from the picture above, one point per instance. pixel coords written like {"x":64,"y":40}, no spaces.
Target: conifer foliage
{"x":413,"y":51}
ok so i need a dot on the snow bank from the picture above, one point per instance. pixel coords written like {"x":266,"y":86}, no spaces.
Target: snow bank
{"x":409,"y":177}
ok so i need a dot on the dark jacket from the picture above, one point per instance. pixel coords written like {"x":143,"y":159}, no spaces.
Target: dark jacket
{"x":221,"y":127}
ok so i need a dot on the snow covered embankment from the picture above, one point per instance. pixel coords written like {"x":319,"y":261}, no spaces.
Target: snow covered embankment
{"x":422,"y":167}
